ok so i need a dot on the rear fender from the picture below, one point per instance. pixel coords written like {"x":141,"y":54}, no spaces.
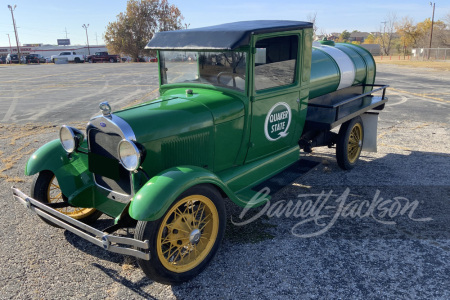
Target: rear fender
{"x":157,"y":195}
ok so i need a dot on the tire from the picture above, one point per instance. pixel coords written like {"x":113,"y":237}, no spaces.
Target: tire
{"x":77,"y":60}
{"x":349,"y":143}
{"x":111,"y":60}
{"x":45,"y":189}
{"x":53,"y":60}
{"x":91,"y":61}
{"x":180,"y":253}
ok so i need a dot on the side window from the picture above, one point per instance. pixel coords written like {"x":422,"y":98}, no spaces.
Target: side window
{"x":275,"y":62}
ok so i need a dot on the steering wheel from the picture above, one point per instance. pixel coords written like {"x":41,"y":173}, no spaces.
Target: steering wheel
{"x":234,"y":75}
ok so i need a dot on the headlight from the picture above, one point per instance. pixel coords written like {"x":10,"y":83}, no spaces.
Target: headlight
{"x":129,"y":155}
{"x":70,"y":138}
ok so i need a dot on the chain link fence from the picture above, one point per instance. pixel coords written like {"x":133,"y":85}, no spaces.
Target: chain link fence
{"x":430,"y":54}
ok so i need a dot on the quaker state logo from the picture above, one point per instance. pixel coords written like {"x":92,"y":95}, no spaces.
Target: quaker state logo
{"x":277,"y":122}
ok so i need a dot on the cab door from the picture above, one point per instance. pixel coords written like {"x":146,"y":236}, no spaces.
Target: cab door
{"x":276,"y":92}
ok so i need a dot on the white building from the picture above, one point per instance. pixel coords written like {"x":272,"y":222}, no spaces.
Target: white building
{"x":49,"y":50}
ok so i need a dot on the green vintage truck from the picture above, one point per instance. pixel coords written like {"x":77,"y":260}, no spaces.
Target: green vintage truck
{"x":238,"y":102}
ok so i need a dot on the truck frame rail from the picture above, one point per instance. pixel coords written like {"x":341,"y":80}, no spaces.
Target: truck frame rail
{"x":329,"y":111}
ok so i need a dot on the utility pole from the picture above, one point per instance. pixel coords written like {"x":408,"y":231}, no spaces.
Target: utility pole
{"x":383,"y":36}
{"x":65,"y":30}
{"x":10,"y":49}
{"x":15,"y":30}
{"x":87,"y":38}
{"x":432,"y":24}
{"x":96,"y":38}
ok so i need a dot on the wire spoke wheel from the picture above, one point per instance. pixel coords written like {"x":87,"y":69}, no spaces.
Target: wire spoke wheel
{"x":185,"y":239}
{"x":187,"y":233}
{"x":354,"y":143}
{"x":349,"y":143}
{"x":46,"y":189}
{"x":54,"y":195}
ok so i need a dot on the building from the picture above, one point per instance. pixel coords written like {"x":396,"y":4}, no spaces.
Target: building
{"x":49,"y":50}
{"x":358,"y":36}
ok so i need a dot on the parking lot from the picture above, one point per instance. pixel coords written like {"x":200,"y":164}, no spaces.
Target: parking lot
{"x":398,"y":250}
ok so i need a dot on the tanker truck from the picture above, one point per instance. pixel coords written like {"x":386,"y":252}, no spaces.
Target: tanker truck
{"x":238,"y":104}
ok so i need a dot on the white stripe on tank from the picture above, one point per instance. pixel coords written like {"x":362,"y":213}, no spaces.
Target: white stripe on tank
{"x":345,"y":64}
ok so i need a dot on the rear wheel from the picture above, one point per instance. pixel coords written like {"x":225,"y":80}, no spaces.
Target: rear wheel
{"x":45,"y":188}
{"x":111,"y":60}
{"x":186,"y":238}
{"x":349,"y":143}
{"x":77,"y":60}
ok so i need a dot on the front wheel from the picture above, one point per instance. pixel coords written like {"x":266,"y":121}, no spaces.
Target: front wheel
{"x":45,"y":188}
{"x":186,"y":238}
{"x":350,"y":143}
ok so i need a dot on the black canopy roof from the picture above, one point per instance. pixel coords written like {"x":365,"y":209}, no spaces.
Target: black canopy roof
{"x":220,"y":37}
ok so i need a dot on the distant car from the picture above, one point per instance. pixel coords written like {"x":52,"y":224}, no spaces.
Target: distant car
{"x":12,"y":59}
{"x":3,"y":59}
{"x":35,"y":58}
{"x":102,"y":57}
{"x":153,"y":59}
{"x":71,"y":57}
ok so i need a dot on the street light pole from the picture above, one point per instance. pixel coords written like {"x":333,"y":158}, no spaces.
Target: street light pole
{"x":15,"y":30}
{"x":87,"y":37}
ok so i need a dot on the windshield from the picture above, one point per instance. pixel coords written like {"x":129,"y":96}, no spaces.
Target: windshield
{"x":224,"y":69}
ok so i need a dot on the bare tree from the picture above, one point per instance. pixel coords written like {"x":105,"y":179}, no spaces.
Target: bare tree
{"x":387,"y":32}
{"x":312,"y":17}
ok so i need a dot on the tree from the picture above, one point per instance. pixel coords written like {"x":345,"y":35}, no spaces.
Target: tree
{"x":132,"y":30}
{"x":343,"y":38}
{"x":440,"y":35}
{"x":387,"y":33}
{"x":312,"y":17}
{"x":370,"y":39}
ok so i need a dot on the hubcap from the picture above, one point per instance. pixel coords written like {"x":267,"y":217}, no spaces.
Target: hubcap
{"x":195,"y":236}
{"x":187,"y":233}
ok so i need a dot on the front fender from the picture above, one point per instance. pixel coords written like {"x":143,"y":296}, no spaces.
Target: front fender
{"x":50,"y":156}
{"x":72,"y":173}
{"x":155,"y":197}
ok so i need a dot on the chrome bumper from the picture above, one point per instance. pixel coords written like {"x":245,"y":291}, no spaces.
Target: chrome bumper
{"x":89,"y":233}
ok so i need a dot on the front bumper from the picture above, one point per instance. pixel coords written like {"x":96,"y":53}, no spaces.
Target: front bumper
{"x":107,"y":241}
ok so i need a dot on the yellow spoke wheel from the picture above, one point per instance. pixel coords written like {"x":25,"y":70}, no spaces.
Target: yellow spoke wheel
{"x":354,"y":143}
{"x":186,"y":237}
{"x":54,"y":195}
{"x":45,"y":188}
{"x":349,"y":143}
{"x":187,"y":233}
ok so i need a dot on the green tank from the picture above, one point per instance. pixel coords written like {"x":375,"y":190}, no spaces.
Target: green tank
{"x":340,"y":66}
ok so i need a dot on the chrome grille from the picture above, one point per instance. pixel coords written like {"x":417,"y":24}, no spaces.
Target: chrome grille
{"x":104,"y":161}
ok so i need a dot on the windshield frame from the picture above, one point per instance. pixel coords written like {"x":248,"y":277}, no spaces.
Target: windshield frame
{"x":234,"y":83}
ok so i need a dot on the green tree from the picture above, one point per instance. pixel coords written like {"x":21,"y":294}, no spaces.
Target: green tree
{"x":343,"y":38}
{"x":132,"y":30}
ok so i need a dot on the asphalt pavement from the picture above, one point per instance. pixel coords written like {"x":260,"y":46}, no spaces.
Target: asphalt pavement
{"x":379,"y":231}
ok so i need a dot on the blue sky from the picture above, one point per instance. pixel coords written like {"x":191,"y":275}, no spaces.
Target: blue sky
{"x":46,"y":21}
